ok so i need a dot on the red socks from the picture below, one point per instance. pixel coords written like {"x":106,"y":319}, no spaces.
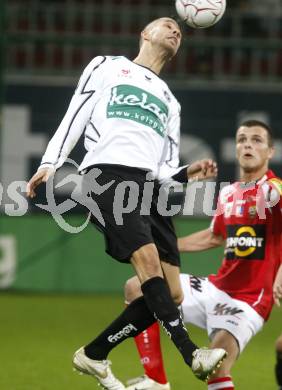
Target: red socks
{"x":149,"y":348}
{"x":224,"y":383}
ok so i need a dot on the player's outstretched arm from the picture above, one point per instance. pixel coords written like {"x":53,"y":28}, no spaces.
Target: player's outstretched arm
{"x":277,"y":287}
{"x":199,"y":241}
{"x":41,"y":176}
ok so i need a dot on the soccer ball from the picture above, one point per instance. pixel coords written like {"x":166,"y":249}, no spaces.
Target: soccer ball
{"x":200,"y":13}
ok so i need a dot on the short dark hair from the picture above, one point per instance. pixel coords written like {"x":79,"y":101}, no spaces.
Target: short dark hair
{"x":174,"y":19}
{"x":267,"y":128}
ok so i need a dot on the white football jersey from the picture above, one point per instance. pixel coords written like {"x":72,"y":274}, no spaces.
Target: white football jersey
{"x":128,"y":116}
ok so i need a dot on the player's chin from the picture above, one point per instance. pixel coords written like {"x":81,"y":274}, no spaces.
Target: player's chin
{"x":171,"y":49}
{"x":250,"y":167}
{"x":172,"y":53}
{"x":248,"y":161}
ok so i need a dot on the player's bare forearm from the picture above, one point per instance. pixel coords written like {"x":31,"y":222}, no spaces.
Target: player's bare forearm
{"x":199,"y":241}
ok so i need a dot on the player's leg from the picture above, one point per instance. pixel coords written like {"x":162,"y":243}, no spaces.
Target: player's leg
{"x":231,"y":324}
{"x":160,"y":302}
{"x":193,"y":310}
{"x":157,"y":294}
{"x":158,"y":298}
{"x":172,"y":276}
{"x":149,"y":349}
{"x":278,"y":366}
{"x":92,"y":359}
{"x":222,"y":378}
{"x":148,"y":341}
{"x":134,"y":319}
{"x":121,"y":241}
{"x":148,"y":346}
{"x":132,"y":288}
{"x":137,"y":317}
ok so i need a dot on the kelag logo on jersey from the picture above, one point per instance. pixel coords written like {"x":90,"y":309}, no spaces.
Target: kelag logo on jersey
{"x":245,"y":242}
{"x":129,"y":102}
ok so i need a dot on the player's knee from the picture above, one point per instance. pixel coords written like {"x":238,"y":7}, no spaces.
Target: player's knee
{"x":132,"y":289}
{"x":278,"y":344}
{"x":177,"y":297}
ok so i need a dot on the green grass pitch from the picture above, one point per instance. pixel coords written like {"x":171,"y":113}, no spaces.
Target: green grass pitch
{"x":39,"y":334}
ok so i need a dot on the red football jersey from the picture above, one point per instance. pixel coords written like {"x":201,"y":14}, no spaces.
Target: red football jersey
{"x":249,"y":218}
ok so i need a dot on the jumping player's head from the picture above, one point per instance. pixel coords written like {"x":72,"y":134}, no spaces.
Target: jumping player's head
{"x":254,"y":147}
{"x":162,"y":34}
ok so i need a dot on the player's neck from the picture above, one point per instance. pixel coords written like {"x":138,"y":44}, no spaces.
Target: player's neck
{"x":152,"y":59}
{"x":249,"y":176}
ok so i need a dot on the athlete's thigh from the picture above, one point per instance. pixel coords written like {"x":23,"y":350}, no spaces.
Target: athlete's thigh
{"x":233,"y":316}
{"x":194,"y":303}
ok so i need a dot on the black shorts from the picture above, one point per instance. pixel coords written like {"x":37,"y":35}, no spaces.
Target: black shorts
{"x":163,"y":232}
{"x":124,"y":233}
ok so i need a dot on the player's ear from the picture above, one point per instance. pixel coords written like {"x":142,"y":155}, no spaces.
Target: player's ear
{"x":145,"y":35}
{"x":271,"y":152}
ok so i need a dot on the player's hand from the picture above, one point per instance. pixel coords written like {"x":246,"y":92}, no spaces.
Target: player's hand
{"x":202,"y":170}
{"x":41,"y":176}
{"x":277,"y":287}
